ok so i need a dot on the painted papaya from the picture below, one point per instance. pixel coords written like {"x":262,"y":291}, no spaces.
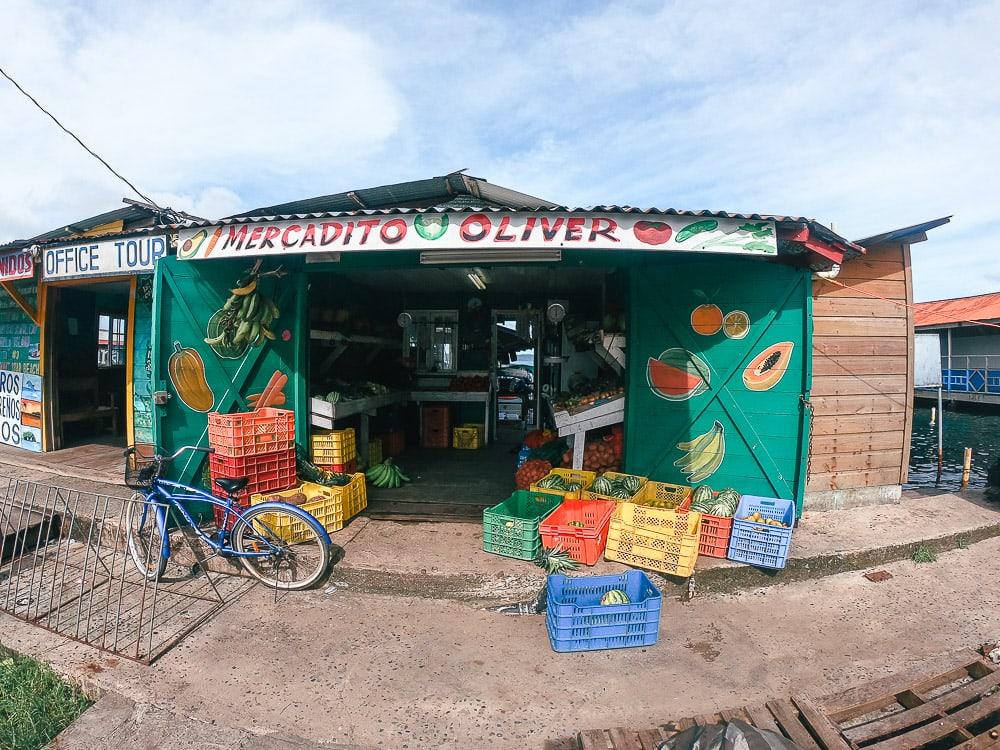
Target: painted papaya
{"x":677,"y":374}
{"x":187,"y":374}
{"x":767,"y":368}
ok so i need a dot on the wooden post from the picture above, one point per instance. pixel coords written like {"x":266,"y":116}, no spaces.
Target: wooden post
{"x":940,"y":435}
{"x":966,"y":467}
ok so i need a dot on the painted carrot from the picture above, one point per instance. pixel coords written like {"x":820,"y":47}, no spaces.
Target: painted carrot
{"x":211,"y":242}
{"x":274,"y":387}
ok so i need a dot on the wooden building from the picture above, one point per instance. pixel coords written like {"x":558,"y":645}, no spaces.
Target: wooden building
{"x":863,"y":373}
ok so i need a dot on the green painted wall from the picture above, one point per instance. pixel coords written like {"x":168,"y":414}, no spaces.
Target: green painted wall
{"x":19,"y":336}
{"x":142,"y":361}
{"x":765,"y":432}
{"x":186,"y":295}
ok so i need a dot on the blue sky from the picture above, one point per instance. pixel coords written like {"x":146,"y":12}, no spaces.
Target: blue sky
{"x":869,"y":116}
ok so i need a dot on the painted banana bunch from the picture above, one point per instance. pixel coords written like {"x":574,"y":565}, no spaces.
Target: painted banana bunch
{"x":245,"y":319}
{"x":703,"y":455}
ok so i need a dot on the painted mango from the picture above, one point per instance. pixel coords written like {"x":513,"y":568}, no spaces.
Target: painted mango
{"x":187,"y":374}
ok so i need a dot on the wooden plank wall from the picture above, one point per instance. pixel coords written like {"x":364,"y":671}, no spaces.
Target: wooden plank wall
{"x":862,"y":373}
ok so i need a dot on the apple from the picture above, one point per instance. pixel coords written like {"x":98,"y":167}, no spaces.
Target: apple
{"x":652,"y":232}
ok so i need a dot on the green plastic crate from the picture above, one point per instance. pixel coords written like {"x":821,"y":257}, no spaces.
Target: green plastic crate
{"x":510,"y":528}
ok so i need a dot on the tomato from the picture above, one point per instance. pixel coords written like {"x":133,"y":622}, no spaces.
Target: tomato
{"x":652,"y":232}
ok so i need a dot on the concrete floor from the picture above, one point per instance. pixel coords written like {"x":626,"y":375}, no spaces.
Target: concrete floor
{"x":398,"y":672}
{"x":347,"y":664}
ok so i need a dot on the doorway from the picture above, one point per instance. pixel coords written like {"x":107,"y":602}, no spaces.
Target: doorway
{"x":516,"y":339}
{"x":88,"y":363}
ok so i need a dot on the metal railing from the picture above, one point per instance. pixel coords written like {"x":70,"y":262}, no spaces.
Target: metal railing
{"x":65,"y":566}
{"x":971,"y":373}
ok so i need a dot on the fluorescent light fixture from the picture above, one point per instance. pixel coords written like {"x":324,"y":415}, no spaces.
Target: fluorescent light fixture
{"x":476,"y":281}
{"x":483,"y":257}
{"x":333,"y":257}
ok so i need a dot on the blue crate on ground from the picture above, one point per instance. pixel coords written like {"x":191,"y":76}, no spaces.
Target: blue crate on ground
{"x":761,"y":544}
{"x":576,"y":621}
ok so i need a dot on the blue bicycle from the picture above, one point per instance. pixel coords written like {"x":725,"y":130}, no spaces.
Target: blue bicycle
{"x":278,"y":543}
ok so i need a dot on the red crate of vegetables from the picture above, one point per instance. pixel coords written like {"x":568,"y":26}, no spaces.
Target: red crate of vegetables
{"x":580,"y":527}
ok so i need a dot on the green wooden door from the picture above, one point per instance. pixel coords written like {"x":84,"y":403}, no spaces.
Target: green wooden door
{"x":185,"y":297}
{"x":723,"y":406}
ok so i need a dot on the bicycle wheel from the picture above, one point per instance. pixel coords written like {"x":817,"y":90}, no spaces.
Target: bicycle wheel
{"x":300,"y":554}
{"x":147,"y":525}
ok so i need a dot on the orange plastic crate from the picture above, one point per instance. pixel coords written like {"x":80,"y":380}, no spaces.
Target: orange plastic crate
{"x":251,"y":433}
{"x":713,"y":540}
{"x":583,"y":543}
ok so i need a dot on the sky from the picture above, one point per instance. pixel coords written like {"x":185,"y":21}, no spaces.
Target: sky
{"x":867,"y":116}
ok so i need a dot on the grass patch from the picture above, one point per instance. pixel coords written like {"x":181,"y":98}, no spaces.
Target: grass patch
{"x":924,"y":554}
{"x":963,"y":542}
{"x":35,"y":704}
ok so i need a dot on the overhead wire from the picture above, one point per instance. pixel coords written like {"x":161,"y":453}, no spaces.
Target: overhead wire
{"x":76,"y":138}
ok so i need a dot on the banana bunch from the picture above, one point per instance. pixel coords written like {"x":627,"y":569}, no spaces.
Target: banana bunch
{"x":386,"y":475}
{"x":703,"y":455}
{"x":247,"y":315}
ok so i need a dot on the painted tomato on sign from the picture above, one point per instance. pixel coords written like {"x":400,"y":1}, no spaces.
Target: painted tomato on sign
{"x":652,"y":232}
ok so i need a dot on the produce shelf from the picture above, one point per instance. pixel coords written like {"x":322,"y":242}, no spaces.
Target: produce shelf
{"x":324,"y":413}
{"x":578,"y":422}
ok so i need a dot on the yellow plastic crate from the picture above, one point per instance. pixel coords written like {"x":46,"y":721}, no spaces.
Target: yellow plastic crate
{"x":659,"y":520}
{"x":569,"y":476}
{"x":675,"y":556}
{"x":374,"y":451}
{"x":612,"y":475}
{"x":468,"y":436}
{"x":662,"y":495}
{"x":333,"y":446}
{"x":331,"y":506}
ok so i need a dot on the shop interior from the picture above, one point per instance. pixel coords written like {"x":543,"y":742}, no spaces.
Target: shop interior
{"x":88,"y":327}
{"x":406,"y":355}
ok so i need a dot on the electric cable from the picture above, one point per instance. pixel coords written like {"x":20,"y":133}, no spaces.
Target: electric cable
{"x":77,"y":139}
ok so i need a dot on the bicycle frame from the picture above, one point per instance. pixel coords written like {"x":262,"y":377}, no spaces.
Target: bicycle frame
{"x":174,"y":494}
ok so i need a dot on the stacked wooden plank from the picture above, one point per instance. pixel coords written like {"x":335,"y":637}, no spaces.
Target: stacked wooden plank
{"x":956,"y":708}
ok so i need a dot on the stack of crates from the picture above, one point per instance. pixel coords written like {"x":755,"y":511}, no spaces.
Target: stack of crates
{"x":435,"y":426}
{"x":259,"y":445}
{"x":335,"y":450}
{"x":469,"y":436}
{"x":654,"y":538}
{"x":331,"y":506}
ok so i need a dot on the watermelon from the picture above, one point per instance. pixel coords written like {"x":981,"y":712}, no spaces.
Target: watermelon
{"x":615,"y":596}
{"x":602,"y":486}
{"x":677,"y":374}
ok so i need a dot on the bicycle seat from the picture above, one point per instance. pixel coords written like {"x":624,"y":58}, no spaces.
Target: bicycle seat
{"x":232,"y":486}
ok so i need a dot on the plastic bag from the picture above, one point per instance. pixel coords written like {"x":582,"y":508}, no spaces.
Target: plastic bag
{"x":731,"y":735}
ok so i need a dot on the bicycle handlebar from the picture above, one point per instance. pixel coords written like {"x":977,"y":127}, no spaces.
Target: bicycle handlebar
{"x":166,"y":459}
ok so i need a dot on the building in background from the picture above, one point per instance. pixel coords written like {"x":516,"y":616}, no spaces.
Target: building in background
{"x":969,"y":329}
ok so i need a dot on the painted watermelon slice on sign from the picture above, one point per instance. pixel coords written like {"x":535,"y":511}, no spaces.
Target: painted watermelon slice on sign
{"x":677,"y":375}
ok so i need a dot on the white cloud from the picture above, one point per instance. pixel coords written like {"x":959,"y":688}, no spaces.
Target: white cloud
{"x":870,"y":115}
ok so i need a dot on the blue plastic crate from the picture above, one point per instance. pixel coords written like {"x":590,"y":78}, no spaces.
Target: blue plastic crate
{"x":760,"y":544}
{"x":576,"y":621}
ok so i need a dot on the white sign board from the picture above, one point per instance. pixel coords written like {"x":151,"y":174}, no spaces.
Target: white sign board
{"x":127,"y":255}
{"x":494,"y":231}
{"x":16,"y":266}
{"x":927,"y":360}
{"x":21,"y":410}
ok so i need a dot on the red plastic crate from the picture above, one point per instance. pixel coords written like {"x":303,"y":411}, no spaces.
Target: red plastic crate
{"x":266,"y":472}
{"x":351,"y":467}
{"x":583,"y":543}
{"x":251,"y":433}
{"x":436,"y":437}
{"x":393,"y":443}
{"x":713,"y":540}
{"x":436,"y":417}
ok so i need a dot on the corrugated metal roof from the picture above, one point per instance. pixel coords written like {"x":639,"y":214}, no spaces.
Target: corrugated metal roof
{"x":413,"y":194}
{"x":903,"y":234}
{"x":958,"y":310}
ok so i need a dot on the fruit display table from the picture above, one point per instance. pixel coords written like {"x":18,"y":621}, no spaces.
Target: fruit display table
{"x":452,"y":397}
{"x":579,"y":421}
